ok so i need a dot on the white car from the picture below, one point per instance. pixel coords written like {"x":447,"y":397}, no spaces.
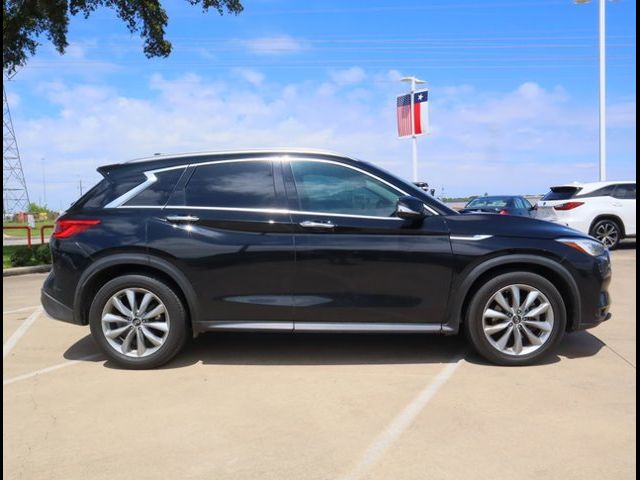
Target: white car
{"x":604,"y":210}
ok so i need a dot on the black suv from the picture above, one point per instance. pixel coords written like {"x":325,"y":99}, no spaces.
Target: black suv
{"x":291,"y":240}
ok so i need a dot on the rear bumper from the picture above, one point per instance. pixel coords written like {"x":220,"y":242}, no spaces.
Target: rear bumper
{"x":56,"y":309}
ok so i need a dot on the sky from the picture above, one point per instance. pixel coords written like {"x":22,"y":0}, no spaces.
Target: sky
{"x":513,"y":90}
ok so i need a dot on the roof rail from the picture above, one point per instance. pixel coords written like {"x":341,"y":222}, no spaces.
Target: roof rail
{"x":285,"y":151}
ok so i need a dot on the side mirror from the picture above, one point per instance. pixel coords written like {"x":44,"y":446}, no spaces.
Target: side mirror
{"x":410,"y":208}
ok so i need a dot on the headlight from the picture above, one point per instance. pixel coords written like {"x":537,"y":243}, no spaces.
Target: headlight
{"x":584,"y":245}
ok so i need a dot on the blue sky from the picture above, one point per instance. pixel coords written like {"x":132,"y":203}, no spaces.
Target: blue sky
{"x":513,"y":85}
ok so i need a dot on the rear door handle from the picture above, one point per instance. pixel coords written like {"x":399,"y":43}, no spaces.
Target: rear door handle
{"x":314,"y":224}
{"x":182,"y":218}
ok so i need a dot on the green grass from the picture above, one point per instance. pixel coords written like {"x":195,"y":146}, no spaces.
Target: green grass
{"x":22,"y":233}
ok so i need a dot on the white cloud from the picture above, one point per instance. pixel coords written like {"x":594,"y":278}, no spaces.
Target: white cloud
{"x":348,"y":76}
{"x":252,"y":76}
{"x":518,"y":141}
{"x":273,"y":45}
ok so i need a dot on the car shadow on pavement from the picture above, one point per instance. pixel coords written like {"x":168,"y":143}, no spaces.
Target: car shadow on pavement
{"x":331,"y":349}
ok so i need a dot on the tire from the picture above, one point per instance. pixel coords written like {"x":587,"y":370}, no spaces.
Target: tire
{"x":155,"y":340}
{"x":608,"y":232}
{"x":486,"y":318}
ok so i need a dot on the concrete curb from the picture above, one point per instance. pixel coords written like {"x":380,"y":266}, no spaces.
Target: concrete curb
{"x":11,"y":272}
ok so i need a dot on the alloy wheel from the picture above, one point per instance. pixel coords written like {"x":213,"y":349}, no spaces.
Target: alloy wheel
{"x":135,"y":322}
{"x":607,"y":233}
{"x":518,"y":320}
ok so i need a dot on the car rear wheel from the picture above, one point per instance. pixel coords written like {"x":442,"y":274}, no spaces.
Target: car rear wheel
{"x":138,"y":321}
{"x":608,"y":232}
{"x":516,"y":318}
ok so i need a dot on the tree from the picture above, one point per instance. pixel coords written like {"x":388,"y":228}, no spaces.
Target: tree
{"x":25,"y":21}
{"x":35,"y":208}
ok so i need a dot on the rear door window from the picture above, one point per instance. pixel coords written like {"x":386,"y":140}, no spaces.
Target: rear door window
{"x":241,"y":184}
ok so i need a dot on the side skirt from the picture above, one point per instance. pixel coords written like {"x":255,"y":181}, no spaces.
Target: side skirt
{"x":320,"y":327}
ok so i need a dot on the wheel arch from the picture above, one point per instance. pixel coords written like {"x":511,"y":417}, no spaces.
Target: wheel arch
{"x":106,"y":268}
{"x":543,"y":266}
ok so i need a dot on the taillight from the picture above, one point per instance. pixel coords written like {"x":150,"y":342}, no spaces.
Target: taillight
{"x":503,"y":212}
{"x":68,"y":228}
{"x":568,"y":206}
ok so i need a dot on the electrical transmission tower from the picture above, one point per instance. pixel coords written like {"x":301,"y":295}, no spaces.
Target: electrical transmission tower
{"x":15,"y":197}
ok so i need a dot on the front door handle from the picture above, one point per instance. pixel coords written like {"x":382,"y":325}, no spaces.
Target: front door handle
{"x":182,"y":218}
{"x":314,"y":224}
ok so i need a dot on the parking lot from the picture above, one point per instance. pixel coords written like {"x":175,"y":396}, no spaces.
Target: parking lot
{"x":317,"y":407}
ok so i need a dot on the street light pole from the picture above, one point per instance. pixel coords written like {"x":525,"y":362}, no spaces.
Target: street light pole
{"x":414,"y":139}
{"x":603,"y":90}
{"x":602,"y":86}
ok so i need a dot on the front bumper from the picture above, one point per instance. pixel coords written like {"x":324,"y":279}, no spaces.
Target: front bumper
{"x":594,"y":290}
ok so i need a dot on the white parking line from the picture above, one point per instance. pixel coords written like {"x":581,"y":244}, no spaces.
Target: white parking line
{"x":22,"y":329}
{"x":401,"y":422}
{"x":24,"y":309}
{"x":49,"y":369}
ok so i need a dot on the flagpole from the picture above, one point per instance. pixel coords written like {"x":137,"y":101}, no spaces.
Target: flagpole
{"x":414,"y":137}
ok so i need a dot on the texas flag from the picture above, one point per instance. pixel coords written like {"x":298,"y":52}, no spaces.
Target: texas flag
{"x":412,"y":119}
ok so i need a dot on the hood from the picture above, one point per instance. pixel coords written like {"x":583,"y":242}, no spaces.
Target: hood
{"x":507,"y":226}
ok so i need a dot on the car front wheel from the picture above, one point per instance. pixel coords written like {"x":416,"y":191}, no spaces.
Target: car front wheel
{"x":516,"y":318}
{"x":138,"y":321}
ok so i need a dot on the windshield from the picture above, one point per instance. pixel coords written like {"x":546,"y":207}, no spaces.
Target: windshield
{"x":561,"y":193}
{"x":489,"y":202}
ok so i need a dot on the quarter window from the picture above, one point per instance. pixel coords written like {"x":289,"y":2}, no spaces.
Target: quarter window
{"x":329,"y":188}
{"x":625,"y":191}
{"x":158,"y":192}
{"x":247,"y":184}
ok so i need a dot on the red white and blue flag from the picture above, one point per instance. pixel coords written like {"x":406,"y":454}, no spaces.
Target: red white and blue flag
{"x":412,"y":116}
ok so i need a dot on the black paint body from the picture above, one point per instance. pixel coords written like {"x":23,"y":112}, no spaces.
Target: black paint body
{"x":258,"y":266}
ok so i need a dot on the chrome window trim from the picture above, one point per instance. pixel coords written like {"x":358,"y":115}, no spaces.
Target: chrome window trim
{"x":470,"y":238}
{"x":119,"y":202}
{"x":282,"y":211}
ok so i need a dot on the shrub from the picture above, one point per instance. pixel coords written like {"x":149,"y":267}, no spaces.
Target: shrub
{"x":21,"y":257}
{"x":42,"y":254}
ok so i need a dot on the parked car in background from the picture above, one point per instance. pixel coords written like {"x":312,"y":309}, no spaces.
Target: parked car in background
{"x":310,"y":241}
{"x":502,"y":205}
{"x":604,"y":210}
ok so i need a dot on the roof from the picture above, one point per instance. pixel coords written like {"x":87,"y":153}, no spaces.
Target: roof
{"x":593,"y":184}
{"x":284,"y":151}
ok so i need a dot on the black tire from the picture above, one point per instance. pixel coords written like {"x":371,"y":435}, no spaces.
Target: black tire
{"x":606,"y":225}
{"x":176,"y":336}
{"x":474,"y":318}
